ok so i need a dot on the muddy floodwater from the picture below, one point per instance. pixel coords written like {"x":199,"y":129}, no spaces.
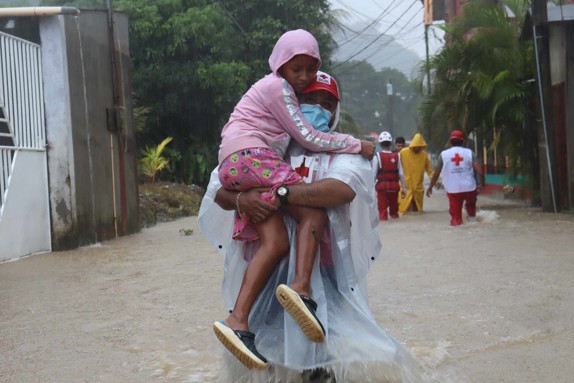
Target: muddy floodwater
{"x":487,"y":302}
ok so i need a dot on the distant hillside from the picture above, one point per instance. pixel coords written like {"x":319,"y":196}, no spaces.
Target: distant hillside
{"x":384,"y":53}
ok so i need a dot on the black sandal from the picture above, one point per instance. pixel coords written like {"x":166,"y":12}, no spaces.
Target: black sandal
{"x":241,"y":344}
{"x":302,"y":309}
{"x":312,"y":307}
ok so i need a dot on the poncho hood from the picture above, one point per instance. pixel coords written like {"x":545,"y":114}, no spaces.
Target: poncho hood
{"x":418,"y":141}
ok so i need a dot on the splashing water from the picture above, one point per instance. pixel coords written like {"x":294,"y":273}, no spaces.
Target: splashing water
{"x":487,"y":216}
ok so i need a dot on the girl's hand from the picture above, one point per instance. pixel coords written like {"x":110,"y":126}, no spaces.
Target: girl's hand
{"x":367,"y":149}
{"x":250,"y":203}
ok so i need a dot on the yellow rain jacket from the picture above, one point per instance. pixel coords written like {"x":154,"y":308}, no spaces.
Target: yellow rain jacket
{"x":414,"y":166}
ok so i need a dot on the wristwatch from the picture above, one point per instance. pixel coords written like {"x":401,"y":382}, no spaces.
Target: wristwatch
{"x":283,"y":194}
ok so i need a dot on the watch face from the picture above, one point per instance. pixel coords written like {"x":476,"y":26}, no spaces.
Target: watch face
{"x":281,"y":190}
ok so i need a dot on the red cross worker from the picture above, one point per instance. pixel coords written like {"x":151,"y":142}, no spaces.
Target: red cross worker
{"x":459,"y":171}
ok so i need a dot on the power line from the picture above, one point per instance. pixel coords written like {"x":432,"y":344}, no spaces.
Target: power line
{"x":383,"y":46}
{"x":375,"y":40}
{"x":379,"y":63}
{"x":439,"y":39}
{"x":357,"y":14}
{"x":231,"y":16}
{"x":391,"y":53}
{"x":358,"y":62}
{"x":381,"y":35}
{"x":377,"y":4}
{"x":375,"y":21}
{"x":352,"y":10}
{"x":397,"y":34}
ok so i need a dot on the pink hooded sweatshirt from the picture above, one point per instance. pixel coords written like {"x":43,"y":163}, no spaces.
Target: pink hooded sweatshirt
{"x":268,"y":115}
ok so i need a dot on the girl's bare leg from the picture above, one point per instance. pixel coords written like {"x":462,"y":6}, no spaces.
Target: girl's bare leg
{"x":311,"y":222}
{"x":274,"y":245}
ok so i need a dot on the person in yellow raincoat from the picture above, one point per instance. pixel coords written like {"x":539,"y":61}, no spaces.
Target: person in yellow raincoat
{"x":415,"y":161}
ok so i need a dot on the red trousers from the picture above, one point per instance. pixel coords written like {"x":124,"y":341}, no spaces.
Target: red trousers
{"x":388,"y":200}
{"x":456,"y":200}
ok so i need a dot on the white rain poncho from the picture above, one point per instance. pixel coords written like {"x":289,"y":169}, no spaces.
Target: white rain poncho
{"x":355,"y":349}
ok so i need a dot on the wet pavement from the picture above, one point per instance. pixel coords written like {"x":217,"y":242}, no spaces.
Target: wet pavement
{"x":489,"y":301}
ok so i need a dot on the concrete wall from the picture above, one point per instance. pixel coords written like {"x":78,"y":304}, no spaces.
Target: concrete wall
{"x":58,"y":133}
{"x":93,"y":184}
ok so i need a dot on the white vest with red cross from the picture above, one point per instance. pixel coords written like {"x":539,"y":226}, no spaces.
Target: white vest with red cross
{"x":457,"y":172}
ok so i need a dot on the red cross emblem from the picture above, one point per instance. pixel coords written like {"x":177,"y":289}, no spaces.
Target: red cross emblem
{"x":457,"y":159}
{"x":302,"y":170}
{"x":324,"y":78}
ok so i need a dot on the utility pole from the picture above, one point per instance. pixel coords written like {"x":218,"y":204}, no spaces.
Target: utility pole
{"x":546,"y":132}
{"x":428,"y":19}
{"x":390,"y":112}
{"x":427,"y":59}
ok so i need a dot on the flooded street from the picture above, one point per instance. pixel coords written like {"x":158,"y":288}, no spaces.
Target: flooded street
{"x":490,"y":301}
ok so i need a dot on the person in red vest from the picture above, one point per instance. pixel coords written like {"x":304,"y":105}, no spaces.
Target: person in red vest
{"x":388,"y":172}
{"x":460,"y":172}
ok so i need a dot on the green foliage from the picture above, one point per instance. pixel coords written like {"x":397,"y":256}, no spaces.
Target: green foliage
{"x":81,"y":4}
{"x":141,"y":114}
{"x":152,"y":161}
{"x":174,"y":159}
{"x":199,"y":161}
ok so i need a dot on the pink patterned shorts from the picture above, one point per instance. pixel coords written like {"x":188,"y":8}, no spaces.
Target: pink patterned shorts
{"x":252,"y":168}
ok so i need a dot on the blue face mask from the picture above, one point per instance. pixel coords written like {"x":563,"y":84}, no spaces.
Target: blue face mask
{"x":317,"y":116}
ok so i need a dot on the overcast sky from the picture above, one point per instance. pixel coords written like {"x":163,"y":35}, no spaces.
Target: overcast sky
{"x":402,"y":19}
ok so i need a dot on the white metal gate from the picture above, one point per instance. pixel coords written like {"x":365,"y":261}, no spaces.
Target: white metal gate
{"x":24,"y":198}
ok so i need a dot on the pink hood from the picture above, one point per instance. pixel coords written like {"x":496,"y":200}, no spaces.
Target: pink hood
{"x":291,"y":44}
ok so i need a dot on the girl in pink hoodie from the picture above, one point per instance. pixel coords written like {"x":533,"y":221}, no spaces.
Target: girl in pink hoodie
{"x":254,"y":142}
